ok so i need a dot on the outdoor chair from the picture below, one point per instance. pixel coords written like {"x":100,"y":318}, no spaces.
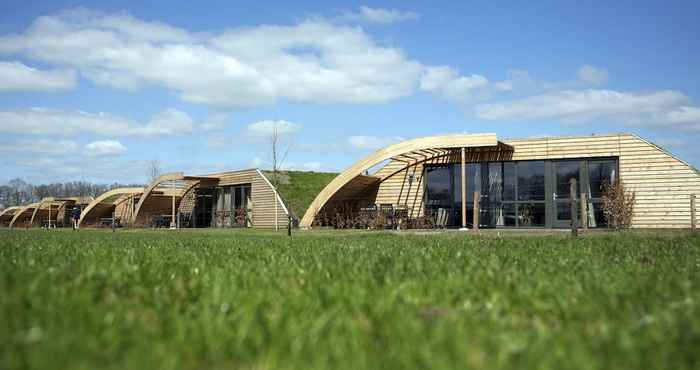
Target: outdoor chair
{"x":386,"y":215}
{"x":441,"y":218}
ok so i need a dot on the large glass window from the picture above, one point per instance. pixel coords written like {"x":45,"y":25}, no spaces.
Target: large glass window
{"x":531,"y":180}
{"x":439,"y":186}
{"x":514,"y":193}
{"x":509,"y":181}
{"x":600,"y":173}
{"x":232,"y":205}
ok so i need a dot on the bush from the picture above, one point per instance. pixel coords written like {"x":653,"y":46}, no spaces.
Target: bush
{"x":618,"y":205}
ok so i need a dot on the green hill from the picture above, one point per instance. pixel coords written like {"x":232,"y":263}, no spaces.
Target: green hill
{"x":299,"y":188}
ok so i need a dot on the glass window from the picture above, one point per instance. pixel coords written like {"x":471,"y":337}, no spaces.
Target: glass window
{"x":509,"y":214}
{"x":531,"y":180}
{"x":495,"y":182}
{"x":439,"y":186}
{"x":531,"y":214}
{"x":565,"y":171}
{"x":600,"y":172}
{"x":473,"y":180}
{"x":596,"y":217}
{"x":509,"y":181}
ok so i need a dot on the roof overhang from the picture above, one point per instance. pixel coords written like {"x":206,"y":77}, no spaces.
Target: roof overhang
{"x":410,"y":151}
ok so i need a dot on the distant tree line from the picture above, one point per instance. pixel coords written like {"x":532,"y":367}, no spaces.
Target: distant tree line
{"x":19,"y":192}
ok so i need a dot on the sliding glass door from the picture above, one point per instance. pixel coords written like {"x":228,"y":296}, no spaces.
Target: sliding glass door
{"x":526,"y":194}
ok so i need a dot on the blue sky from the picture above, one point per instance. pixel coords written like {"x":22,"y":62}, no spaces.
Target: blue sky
{"x":93,"y":91}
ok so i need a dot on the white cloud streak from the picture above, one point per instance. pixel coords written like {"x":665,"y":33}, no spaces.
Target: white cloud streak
{"x":379,"y":15}
{"x":264,"y":129}
{"x":662,"y":108}
{"x":16,"y":76}
{"x":104,"y":148}
{"x":40,"y":146}
{"x":43,"y":121}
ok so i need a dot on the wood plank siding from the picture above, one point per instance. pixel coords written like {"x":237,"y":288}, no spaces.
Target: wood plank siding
{"x":662,"y":183}
{"x":263,"y":196}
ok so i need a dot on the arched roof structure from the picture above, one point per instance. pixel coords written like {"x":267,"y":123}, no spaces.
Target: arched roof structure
{"x":174,"y":184}
{"x":111,"y":198}
{"x":7,"y":214}
{"x":28,"y":208}
{"x":411,"y":152}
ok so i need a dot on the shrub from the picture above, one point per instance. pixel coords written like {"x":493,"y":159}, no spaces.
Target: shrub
{"x":618,"y":205}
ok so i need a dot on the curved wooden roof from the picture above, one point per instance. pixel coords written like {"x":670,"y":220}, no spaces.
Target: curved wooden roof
{"x":111,"y":196}
{"x":8,"y":209}
{"x":408,"y":149}
{"x":22,"y":210}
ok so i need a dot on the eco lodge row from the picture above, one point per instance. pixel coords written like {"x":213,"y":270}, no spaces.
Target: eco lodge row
{"x":452,"y":181}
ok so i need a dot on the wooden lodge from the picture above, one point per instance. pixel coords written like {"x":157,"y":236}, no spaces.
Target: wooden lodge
{"x":520,"y":183}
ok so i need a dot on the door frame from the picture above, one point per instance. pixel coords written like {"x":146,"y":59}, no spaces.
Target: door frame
{"x":553,"y":200}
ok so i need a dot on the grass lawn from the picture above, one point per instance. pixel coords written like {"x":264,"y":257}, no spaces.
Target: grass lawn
{"x":223,"y":299}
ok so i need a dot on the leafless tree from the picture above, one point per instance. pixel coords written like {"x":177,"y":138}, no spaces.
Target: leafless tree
{"x":279,"y":152}
{"x":153,"y":170}
{"x":21,"y":191}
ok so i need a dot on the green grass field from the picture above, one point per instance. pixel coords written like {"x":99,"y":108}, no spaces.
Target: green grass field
{"x":222,"y":299}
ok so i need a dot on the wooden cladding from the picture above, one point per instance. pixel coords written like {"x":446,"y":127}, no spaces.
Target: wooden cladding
{"x":662,"y":183}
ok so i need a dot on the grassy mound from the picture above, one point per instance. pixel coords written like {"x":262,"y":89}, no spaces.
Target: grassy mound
{"x":299,"y":188}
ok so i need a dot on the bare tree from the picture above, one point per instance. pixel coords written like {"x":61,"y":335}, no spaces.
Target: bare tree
{"x":279,"y":153}
{"x":153,"y":170}
{"x":21,"y":191}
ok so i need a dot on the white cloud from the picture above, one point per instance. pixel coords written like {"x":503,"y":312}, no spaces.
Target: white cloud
{"x":168,"y":122}
{"x":104,"y":148}
{"x":42,"y":121}
{"x":15,"y":76}
{"x":314,"y":61}
{"x":592,"y":75}
{"x":660,"y":108}
{"x":450,"y":84}
{"x":263,"y":129}
{"x":373,"y":142}
{"x":380,"y":15}
{"x":42,"y":146}
{"x":215,"y":121}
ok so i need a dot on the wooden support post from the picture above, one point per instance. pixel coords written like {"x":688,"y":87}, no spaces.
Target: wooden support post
{"x":172,"y":216}
{"x":289,"y":225}
{"x":584,"y":210}
{"x":477,"y":197}
{"x":574,"y":211}
{"x":113,"y":212}
{"x":464,"y":189}
{"x":692,"y":212}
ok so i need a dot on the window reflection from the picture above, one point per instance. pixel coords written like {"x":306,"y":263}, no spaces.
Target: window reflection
{"x":531,"y":180}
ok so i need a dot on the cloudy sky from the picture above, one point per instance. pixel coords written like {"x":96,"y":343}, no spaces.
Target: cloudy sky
{"x":94,"y":92}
